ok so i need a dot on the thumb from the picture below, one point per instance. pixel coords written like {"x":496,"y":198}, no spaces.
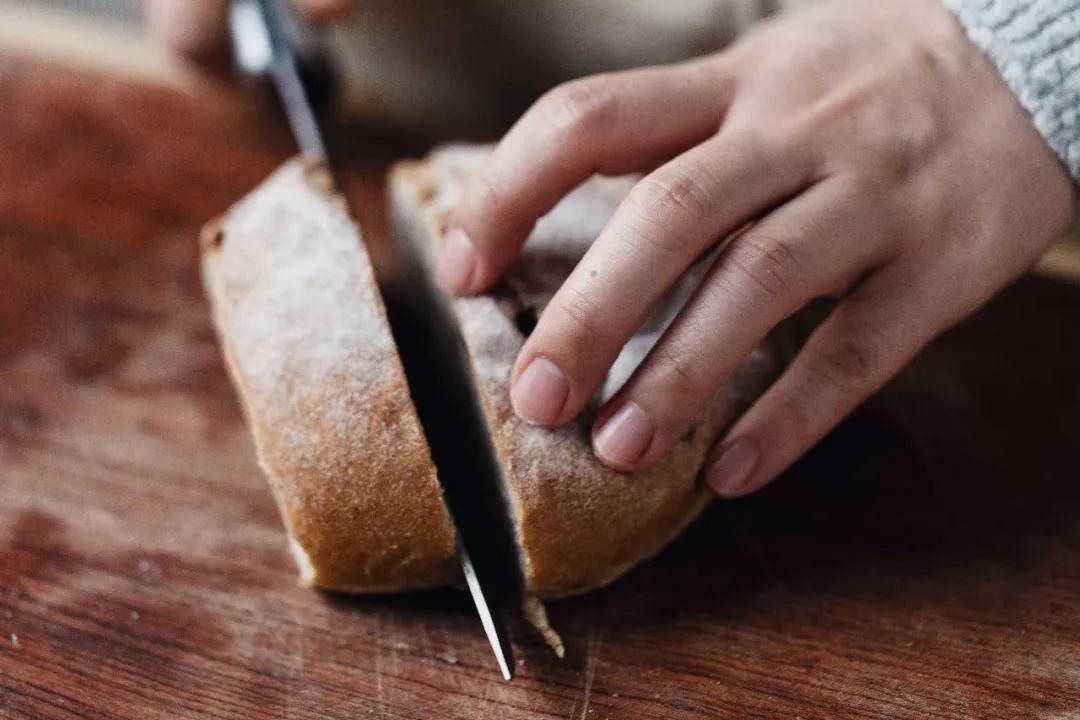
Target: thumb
{"x":196,"y":28}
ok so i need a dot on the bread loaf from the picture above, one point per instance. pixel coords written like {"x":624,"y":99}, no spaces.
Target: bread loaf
{"x":306,"y":341}
{"x":308,"y":345}
{"x":578,"y":524}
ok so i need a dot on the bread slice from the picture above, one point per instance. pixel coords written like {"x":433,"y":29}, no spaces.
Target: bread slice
{"x":577,"y":524}
{"x":306,"y":340}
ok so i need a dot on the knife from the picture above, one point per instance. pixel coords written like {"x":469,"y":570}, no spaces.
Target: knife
{"x":263,"y":36}
{"x":263,"y":46}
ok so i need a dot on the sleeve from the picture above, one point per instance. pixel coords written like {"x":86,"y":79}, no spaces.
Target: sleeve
{"x":1035,"y":44}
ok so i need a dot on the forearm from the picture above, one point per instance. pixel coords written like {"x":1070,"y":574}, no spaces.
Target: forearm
{"x":1035,"y":44}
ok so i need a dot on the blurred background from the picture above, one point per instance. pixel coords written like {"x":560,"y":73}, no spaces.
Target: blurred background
{"x":422,"y":70}
{"x":119,"y":9}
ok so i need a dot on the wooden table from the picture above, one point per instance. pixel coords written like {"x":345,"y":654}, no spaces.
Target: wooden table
{"x":924,"y":562}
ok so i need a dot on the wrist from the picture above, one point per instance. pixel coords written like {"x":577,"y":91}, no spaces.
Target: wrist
{"x":1035,"y":45}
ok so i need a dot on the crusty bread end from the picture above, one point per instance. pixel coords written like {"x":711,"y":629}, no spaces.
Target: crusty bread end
{"x":307,"y":344}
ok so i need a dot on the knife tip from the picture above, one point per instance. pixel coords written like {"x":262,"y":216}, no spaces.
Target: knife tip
{"x":493,"y":625}
{"x":505,"y":667}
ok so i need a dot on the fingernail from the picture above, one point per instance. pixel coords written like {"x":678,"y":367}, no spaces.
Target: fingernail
{"x":540,"y":392}
{"x":733,"y":469}
{"x":624,"y":438}
{"x":457,"y":262}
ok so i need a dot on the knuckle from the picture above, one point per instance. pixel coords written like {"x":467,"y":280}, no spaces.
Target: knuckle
{"x":578,"y":324}
{"x":488,"y":211}
{"x":867,"y":180}
{"x":678,"y":376}
{"x":800,"y":419}
{"x":755,"y":151}
{"x":884,"y":148}
{"x":580,"y":106}
{"x":843,"y":105}
{"x":746,"y":141}
{"x":768,"y":262}
{"x":847,"y":364}
{"x":663,"y":202}
{"x":483,"y":195}
{"x":901,"y":155}
{"x":670,"y":192}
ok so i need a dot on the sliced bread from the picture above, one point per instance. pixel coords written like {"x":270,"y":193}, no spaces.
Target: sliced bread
{"x":578,"y":525}
{"x":306,"y":340}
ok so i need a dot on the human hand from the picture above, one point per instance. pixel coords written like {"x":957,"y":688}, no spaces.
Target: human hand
{"x":883,"y":162}
{"x":196,"y":28}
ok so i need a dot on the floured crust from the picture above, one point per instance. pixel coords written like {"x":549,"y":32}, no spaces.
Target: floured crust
{"x":580,"y":525}
{"x":309,"y":349}
{"x":536,"y":615}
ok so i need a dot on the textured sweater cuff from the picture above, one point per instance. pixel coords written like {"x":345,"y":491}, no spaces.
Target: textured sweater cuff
{"x":1035,"y":44}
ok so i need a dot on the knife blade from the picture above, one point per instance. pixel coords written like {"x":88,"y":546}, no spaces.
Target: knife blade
{"x":494,"y":628}
{"x":260,"y":35}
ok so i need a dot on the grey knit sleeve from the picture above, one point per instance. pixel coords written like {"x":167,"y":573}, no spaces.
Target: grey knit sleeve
{"x":1036,"y":46}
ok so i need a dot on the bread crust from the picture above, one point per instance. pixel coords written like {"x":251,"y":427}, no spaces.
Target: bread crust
{"x":306,"y":341}
{"x":579,"y":524}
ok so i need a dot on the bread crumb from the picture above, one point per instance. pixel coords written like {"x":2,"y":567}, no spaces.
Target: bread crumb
{"x":212,"y":235}
{"x":427,"y":185}
{"x":318,"y":176}
{"x":14,"y":639}
{"x":447,"y":658}
{"x":302,"y":559}
{"x":535,"y":612}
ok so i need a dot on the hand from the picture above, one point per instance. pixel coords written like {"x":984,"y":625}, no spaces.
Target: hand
{"x":883,"y":162}
{"x":196,"y":28}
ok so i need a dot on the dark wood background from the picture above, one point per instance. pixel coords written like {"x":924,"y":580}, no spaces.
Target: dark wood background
{"x":924,"y":562}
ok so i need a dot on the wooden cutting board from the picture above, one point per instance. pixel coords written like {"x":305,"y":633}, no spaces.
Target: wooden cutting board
{"x":924,"y":562}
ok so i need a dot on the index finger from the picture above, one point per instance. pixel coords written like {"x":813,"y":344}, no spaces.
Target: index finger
{"x":611,"y":124}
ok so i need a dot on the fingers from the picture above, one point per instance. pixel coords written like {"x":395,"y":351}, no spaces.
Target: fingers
{"x":861,"y":345}
{"x":817,"y":244}
{"x":664,"y":224}
{"x":323,"y":11}
{"x":196,"y":28}
{"x":611,"y":124}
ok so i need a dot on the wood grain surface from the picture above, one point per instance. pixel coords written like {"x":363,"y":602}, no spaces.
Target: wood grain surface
{"x":924,"y":562}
